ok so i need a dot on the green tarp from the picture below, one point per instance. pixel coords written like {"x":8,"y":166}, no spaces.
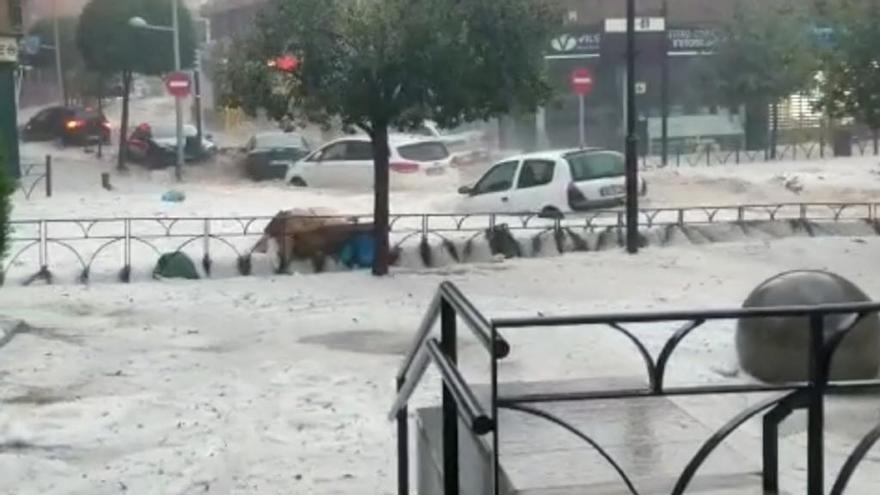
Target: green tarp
{"x":175,"y":265}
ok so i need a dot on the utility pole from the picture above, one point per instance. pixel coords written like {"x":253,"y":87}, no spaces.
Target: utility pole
{"x":197,"y":94}
{"x":632,"y":158}
{"x":59,"y":69}
{"x":175,"y":26}
{"x":664,"y":89}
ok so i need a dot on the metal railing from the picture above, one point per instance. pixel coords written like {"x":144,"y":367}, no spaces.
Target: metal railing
{"x":34,"y":173}
{"x":687,"y":157}
{"x":459,"y":401}
{"x":87,"y":240}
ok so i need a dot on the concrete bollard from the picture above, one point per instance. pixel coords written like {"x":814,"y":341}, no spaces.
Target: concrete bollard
{"x":776,"y":349}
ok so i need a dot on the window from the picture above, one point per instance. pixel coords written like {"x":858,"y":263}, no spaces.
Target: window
{"x":589,"y":166}
{"x":499,"y":178}
{"x":334,"y":152}
{"x":535,"y":173}
{"x":359,"y":151}
{"x":44,"y":116}
{"x":424,"y":152}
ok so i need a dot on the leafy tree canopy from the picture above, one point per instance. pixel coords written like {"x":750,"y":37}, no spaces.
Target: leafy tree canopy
{"x":109,"y":44}
{"x":851,"y":66}
{"x":765,"y":54}
{"x":395,"y":62}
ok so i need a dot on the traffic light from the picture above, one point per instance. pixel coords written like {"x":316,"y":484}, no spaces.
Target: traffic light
{"x":284,"y":63}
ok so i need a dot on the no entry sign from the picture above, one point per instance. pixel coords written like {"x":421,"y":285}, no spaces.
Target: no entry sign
{"x":581,"y":81}
{"x":178,"y":84}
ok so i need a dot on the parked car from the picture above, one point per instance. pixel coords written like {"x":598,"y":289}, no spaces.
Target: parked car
{"x":348,"y":162}
{"x":268,"y":155}
{"x":156,"y":146}
{"x":73,"y":126}
{"x":550,"y":183}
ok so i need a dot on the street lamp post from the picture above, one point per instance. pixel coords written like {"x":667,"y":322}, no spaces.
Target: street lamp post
{"x":140,"y":23}
{"x":632,"y":159}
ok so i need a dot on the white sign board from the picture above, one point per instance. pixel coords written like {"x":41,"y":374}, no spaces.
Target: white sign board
{"x":641,"y":88}
{"x":643,"y":25}
{"x":8,"y":49}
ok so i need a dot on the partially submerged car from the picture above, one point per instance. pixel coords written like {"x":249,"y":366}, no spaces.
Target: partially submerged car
{"x":348,"y":163}
{"x":156,"y":146}
{"x":268,"y":155}
{"x":551,"y":183}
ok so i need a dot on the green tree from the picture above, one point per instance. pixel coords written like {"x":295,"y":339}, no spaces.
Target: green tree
{"x":109,"y":45}
{"x":851,"y":65}
{"x":80,"y":82}
{"x":764,"y":55}
{"x":381,"y":64}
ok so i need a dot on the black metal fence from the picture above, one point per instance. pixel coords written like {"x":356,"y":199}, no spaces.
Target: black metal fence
{"x":33,"y":174}
{"x":709,"y":156}
{"x":39,"y":245}
{"x":460,"y":401}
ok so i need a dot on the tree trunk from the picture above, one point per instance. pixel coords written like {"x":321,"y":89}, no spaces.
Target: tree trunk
{"x":381,"y":154}
{"x":774,"y":130}
{"x":123,"y":124}
{"x":101,"y":111}
{"x":876,"y":139}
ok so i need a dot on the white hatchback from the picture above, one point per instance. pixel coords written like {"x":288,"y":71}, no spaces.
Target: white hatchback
{"x":550,"y":183}
{"x":348,"y":163}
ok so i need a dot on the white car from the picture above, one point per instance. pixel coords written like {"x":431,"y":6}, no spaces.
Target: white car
{"x":348,"y":163}
{"x":550,"y":183}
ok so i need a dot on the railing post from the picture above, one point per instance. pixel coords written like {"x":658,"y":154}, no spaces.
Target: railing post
{"x":450,"y":414}
{"x":816,"y":410}
{"x":48,"y":176}
{"x":402,"y":447}
{"x":771,"y":454}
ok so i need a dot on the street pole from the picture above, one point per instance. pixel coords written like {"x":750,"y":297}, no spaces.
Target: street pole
{"x":175,"y":26}
{"x":59,"y":70}
{"x":664,"y":89}
{"x":197,"y":94}
{"x":632,"y":159}
{"x":581,"y":125}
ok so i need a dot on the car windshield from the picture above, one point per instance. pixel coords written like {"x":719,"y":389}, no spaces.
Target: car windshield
{"x":285,"y":140}
{"x":424,"y":152}
{"x":588,"y":166}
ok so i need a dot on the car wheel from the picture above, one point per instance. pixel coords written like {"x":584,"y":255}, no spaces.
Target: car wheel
{"x":298,"y":182}
{"x":551,"y":212}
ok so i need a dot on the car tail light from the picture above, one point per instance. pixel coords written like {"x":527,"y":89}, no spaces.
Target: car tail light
{"x":575,"y":195}
{"x":75,"y":124}
{"x":405,"y":167}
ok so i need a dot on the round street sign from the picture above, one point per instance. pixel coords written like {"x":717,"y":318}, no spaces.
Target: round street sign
{"x":581,"y":81}
{"x":177,"y":84}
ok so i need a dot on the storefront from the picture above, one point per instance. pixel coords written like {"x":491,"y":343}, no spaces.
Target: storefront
{"x":694,"y":114}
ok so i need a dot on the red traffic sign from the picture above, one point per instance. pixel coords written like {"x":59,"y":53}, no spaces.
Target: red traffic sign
{"x":177,"y":84}
{"x":581,"y":81}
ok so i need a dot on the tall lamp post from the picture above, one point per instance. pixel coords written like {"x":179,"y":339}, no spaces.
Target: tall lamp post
{"x":632,"y":159}
{"x":140,"y":23}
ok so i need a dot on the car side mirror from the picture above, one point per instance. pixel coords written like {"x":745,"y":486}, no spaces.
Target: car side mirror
{"x":465,"y":190}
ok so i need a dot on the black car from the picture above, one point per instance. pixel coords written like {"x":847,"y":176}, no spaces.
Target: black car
{"x":73,"y":126}
{"x":268,"y":154}
{"x":156,"y":146}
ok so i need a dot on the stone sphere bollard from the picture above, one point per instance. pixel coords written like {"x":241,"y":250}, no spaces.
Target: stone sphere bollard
{"x":777,"y":349}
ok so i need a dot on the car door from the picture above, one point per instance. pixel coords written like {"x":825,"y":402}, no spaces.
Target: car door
{"x":40,"y":126}
{"x":491,"y":194}
{"x":325,"y":168}
{"x":358,"y":166}
{"x":535,"y":188}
